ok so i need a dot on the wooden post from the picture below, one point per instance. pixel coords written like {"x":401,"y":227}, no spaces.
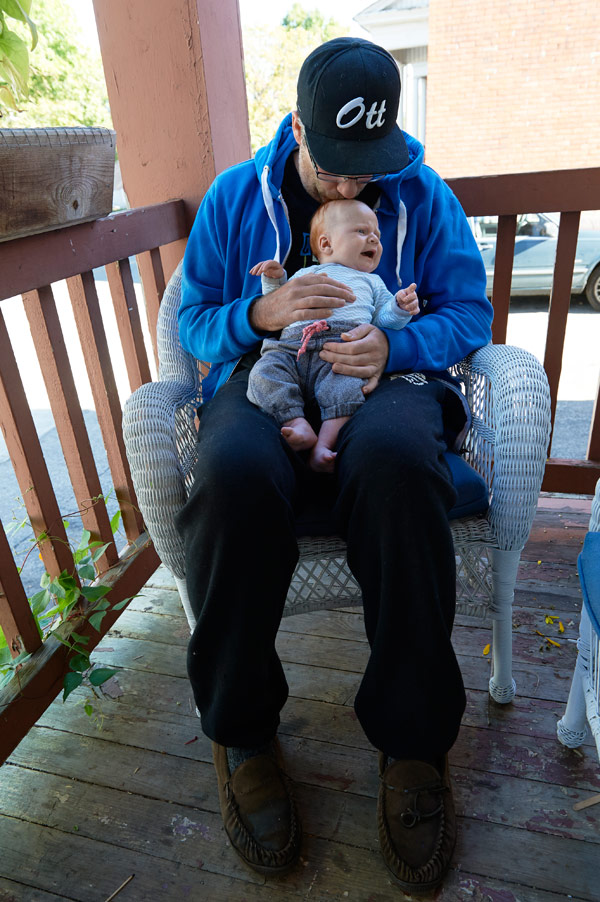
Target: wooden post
{"x":175,"y":79}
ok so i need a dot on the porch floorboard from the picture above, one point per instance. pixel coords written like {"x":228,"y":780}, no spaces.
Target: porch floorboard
{"x":82,"y":809}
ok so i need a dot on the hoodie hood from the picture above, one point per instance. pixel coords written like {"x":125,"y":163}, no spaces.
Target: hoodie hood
{"x":274,"y":155}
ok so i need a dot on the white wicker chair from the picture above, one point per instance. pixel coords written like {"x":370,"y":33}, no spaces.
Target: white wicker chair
{"x":584,"y":697}
{"x":509,"y":397}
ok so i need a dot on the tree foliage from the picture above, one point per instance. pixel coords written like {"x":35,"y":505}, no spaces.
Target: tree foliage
{"x":14,"y":52}
{"x":273,"y":57}
{"x":67,"y":85}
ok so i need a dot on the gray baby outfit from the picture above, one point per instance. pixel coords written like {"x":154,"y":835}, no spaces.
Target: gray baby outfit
{"x":282,"y":380}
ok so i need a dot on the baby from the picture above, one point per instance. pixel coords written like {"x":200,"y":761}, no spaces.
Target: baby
{"x":345,"y":239}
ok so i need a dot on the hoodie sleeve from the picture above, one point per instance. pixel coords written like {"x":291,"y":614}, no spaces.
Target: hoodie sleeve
{"x":213,"y":316}
{"x":450,"y":275}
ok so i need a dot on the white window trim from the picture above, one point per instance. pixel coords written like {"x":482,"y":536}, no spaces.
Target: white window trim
{"x":414,"y":99}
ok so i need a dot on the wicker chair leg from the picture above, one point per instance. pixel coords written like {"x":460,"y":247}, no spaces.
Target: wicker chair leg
{"x":185,"y":601}
{"x":571,"y":729}
{"x":504,"y":576}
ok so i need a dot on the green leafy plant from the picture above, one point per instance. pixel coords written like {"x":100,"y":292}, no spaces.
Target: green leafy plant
{"x":66,"y":598}
{"x":14,"y":53}
{"x":66,"y":77}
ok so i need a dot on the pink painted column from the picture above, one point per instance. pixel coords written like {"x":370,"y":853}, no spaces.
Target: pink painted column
{"x":175,"y":79}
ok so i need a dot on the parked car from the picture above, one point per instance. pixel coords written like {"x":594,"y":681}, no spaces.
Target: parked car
{"x":535,"y":251}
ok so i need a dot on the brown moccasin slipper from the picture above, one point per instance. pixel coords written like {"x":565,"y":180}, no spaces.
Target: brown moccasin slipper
{"x":416,"y":822}
{"x":259,"y":812}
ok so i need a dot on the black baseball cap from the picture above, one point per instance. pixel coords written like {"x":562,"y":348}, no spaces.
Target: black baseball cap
{"x":348,"y":97}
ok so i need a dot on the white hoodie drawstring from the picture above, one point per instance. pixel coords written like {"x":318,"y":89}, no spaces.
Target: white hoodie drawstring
{"x":400,"y":236}
{"x":270,"y":208}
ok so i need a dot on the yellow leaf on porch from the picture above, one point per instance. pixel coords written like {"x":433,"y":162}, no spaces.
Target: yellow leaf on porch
{"x":486,"y":650}
{"x":552,"y":642}
{"x":561,"y":628}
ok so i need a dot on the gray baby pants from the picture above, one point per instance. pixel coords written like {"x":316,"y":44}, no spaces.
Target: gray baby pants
{"x":280,"y":384}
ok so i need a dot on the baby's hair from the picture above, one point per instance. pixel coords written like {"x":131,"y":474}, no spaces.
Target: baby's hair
{"x":318,"y":220}
{"x":316,"y":225}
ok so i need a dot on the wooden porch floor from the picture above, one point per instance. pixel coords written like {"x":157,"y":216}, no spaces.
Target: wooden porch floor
{"x":82,"y":810}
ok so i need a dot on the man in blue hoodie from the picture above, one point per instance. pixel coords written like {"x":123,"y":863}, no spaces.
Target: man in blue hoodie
{"x":392,"y":489}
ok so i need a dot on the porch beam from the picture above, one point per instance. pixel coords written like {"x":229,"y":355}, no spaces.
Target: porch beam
{"x":175,"y":79}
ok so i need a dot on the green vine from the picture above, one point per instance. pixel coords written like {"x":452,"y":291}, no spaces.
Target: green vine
{"x":67,"y":598}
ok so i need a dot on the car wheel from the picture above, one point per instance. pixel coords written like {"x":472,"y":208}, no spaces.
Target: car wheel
{"x":592,"y":289}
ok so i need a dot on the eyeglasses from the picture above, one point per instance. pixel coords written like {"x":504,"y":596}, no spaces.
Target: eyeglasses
{"x":330,"y":177}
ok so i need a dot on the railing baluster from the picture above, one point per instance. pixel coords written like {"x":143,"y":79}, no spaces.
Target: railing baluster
{"x":48,"y":339}
{"x":88,"y":319}
{"x":503,"y":267}
{"x":16,"y":619}
{"x":128,"y":321}
{"x":559,"y":303}
{"x":153,"y":280}
{"x":28,"y":460}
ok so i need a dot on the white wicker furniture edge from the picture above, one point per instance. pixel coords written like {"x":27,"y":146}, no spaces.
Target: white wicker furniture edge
{"x":509,"y":396}
{"x":584,"y":696}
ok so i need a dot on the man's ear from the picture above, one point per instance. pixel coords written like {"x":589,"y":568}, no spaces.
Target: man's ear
{"x":296,"y":127}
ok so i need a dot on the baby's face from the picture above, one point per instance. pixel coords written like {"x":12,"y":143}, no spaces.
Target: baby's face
{"x":354,"y":237}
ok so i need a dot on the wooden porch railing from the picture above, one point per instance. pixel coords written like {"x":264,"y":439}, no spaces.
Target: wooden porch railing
{"x":566,"y":192}
{"x":29,"y":267}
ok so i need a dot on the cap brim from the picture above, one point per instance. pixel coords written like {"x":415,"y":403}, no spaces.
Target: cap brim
{"x":379,"y":155}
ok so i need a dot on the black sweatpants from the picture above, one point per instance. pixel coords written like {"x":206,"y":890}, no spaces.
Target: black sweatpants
{"x":389,"y":499}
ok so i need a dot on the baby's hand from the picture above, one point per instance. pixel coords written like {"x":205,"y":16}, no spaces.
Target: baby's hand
{"x":269,"y":268}
{"x":407,"y":299}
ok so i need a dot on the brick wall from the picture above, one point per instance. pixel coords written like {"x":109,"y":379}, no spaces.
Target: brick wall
{"x":512,"y":86}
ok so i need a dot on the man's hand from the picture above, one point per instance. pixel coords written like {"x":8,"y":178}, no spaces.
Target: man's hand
{"x":363,"y":353}
{"x":314,"y":296}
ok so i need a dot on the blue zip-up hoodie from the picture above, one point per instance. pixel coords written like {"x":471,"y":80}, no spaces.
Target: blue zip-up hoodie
{"x":426,"y":239}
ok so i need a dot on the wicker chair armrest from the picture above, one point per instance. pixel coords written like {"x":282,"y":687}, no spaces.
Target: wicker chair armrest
{"x":508,"y":392}
{"x":160,"y":441}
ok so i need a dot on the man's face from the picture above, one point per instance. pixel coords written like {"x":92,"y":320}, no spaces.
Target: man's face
{"x":318,"y":189}
{"x":351,"y":237}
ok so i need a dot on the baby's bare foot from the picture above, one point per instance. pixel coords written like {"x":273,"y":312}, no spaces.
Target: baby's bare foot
{"x":299,"y":434}
{"x":322,"y":459}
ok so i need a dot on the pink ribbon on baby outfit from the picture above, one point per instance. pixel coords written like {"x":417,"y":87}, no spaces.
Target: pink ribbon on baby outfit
{"x":320,"y":325}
